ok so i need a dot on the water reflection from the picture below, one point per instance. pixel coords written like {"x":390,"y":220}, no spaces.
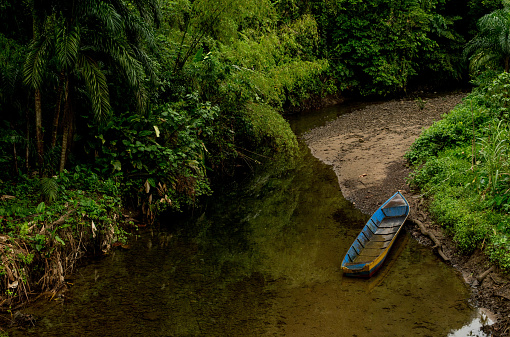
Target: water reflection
{"x":481,"y":319}
{"x":262,"y":260}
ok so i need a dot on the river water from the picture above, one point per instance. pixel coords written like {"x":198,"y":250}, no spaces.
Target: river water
{"x":263,"y":259}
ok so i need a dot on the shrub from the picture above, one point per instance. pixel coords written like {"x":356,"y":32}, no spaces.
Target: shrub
{"x":160,"y":157}
{"x":42,"y":241}
{"x":446,"y":170}
{"x":499,"y":250}
{"x":453,"y":130}
{"x":271,"y":131}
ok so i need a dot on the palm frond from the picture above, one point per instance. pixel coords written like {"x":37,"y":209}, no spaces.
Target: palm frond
{"x":67,"y":45}
{"x":126,"y":60}
{"x":106,"y":14}
{"x":492,"y":41}
{"x":138,"y":30}
{"x":483,"y":59}
{"x":149,"y":64}
{"x":122,"y":39}
{"x":148,"y":9}
{"x":35,"y":63}
{"x":97,"y":86}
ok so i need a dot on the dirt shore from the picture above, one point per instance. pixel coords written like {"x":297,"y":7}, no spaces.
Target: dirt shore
{"x":365,"y":149}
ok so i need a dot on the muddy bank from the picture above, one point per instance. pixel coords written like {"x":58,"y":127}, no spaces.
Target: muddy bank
{"x":365,"y":149}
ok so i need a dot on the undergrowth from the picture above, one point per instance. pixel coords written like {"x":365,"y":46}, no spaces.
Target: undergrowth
{"x":48,"y":227}
{"x":462,"y":163}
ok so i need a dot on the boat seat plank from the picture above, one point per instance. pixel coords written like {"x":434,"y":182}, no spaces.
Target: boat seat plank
{"x":360,"y":261}
{"x":371,"y":251}
{"x":381,"y":237}
{"x":392,"y":221}
{"x":387,"y":230}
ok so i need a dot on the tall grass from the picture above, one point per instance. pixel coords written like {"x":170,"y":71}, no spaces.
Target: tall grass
{"x":493,"y":166}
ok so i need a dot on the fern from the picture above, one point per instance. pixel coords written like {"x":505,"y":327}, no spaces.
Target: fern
{"x":49,"y":189}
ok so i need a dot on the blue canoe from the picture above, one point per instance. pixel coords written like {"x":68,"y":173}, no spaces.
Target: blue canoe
{"x":367,"y":253}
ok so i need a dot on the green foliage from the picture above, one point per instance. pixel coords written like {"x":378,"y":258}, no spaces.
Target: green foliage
{"x":13,"y":102}
{"x":166,"y":148}
{"x":454,"y":129}
{"x":225,"y":72}
{"x":72,"y":190}
{"x":70,"y":43}
{"x":453,"y":208}
{"x":49,"y":189}
{"x":462,"y":163}
{"x":277,"y":138}
{"x":491,"y":46}
{"x":497,"y":95}
{"x":377,"y":47}
{"x":300,"y":38}
{"x":192,"y":25}
{"x":258,"y":71}
{"x":452,"y":168}
{"x":470,"y":232}
{"x":11,"y":57}
{"x":77,"y":222}
{"x":299,"y":81}
{"x":278,"y":68}
{"x":479,"y":8}
{"x":494,"y":155}
{"x":499,"y":250}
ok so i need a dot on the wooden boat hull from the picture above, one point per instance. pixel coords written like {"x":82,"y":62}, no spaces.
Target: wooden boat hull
{"x":368,"y":252}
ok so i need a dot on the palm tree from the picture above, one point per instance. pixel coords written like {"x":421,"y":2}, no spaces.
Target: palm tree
{"x":491,"y":46}
{"x":84,"y":40}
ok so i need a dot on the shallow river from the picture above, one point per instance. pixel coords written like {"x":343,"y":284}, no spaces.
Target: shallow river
{"x":263,"y":259}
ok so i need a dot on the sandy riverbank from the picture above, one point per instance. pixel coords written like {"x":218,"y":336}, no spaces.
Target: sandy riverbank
{"x":365,"y":149}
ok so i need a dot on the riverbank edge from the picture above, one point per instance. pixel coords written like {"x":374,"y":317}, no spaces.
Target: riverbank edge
{"x":483,"y":278}
{"x":24,"y":290}
{"x":53,"y":243}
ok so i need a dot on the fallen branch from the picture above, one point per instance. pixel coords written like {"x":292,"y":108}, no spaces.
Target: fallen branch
{"x":437,"y":245}
{"x":58,"y":222}
{"x":483,"y":275}
{"x":62,"y":219}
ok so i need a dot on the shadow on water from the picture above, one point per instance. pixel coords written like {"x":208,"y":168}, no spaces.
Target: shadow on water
{"x":262,"y":260}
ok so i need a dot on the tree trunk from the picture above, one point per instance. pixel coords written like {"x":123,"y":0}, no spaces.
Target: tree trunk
{"x":507,"y":59}
{"x":15,"y":159}
{"x":63,"y":153}
{"x":27,"y":147}
{"x":39,"y":131}
{"x":67,"y":121}
{"x":56,"y":116}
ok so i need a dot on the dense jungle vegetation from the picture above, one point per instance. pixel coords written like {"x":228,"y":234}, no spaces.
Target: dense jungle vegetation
{"x":146,"y":105}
